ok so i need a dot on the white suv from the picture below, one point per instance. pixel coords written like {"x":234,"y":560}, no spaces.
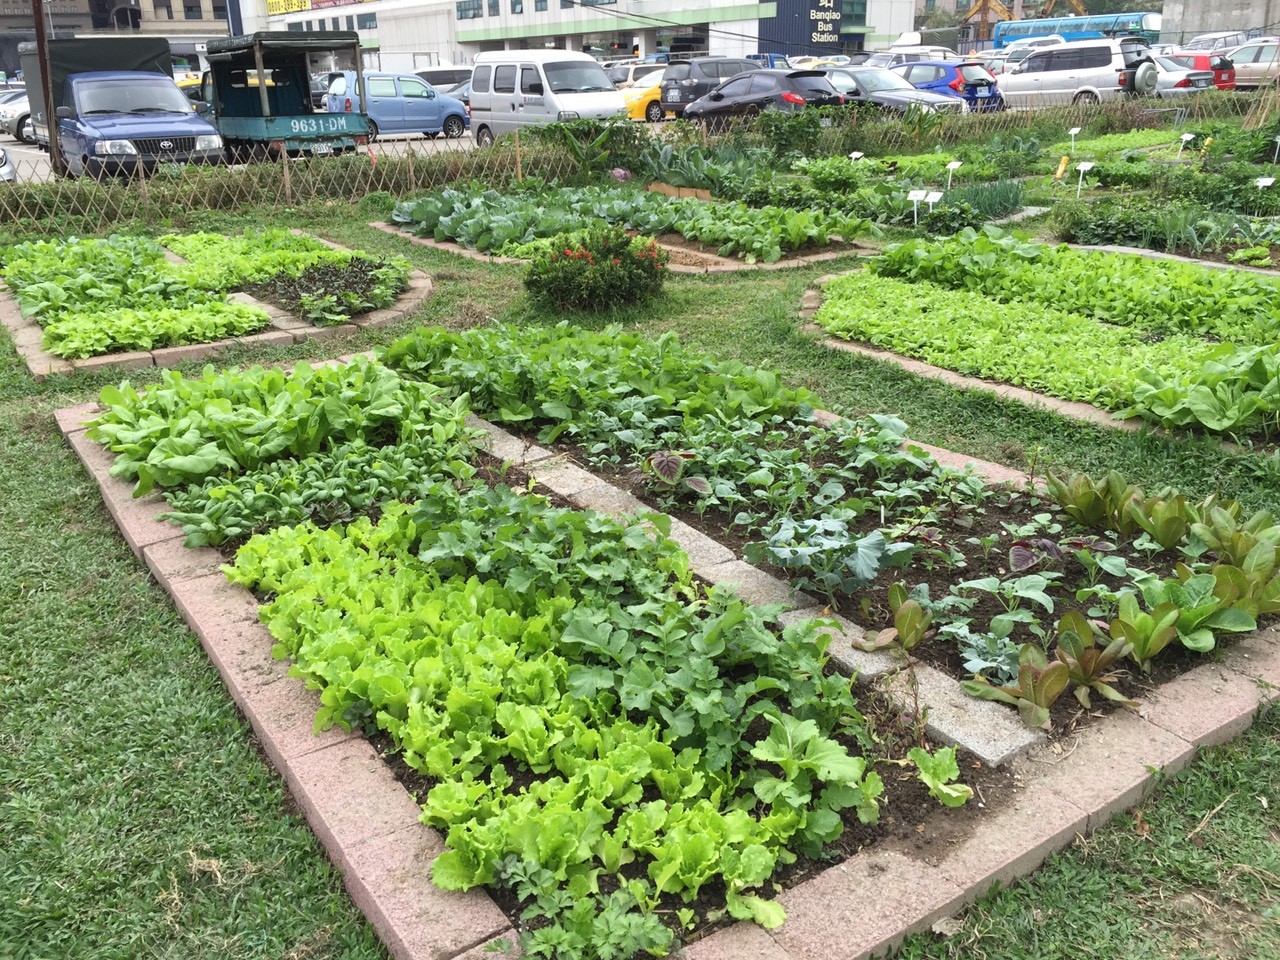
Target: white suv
{"x":1084,"y":71}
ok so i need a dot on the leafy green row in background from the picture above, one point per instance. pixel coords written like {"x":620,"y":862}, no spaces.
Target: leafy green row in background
{"x":1163,"y":296}
{"x":85,"y":334}
{"x":97,"y":295}
{"x":221,"y":263}
{"x":492,"y":221}
{"x":1179,"y":381}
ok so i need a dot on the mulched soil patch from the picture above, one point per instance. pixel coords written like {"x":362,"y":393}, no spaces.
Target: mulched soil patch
{"x":323,"y":279}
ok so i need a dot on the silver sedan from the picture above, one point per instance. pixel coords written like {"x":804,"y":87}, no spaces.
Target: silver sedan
{"x":1177,"y":78}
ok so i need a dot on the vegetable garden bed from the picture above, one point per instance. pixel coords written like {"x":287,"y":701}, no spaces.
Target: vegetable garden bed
{"x":1179,"y":345}
{"x":607,"y":647}
{"x":535,"y":218}
{"x":128,"y":302}
{"x":868,"y":903}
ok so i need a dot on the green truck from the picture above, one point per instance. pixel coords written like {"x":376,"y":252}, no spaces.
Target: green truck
{"x":257,"y":92}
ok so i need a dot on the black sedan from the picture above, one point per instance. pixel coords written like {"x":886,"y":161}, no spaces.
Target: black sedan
{"x":888,"y":90}
{"x":747,"y":94}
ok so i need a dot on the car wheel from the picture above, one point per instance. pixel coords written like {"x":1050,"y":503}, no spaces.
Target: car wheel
{"x":484,"y":137}
{"x":20,"y":134}
{"x":653,"y":112}
{"x":1085,"y":99}
{"x":453,"y":127}
{"x":373,"y":131}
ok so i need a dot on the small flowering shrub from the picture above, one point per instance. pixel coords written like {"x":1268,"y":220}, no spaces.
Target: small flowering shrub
{"x":606,"y":268}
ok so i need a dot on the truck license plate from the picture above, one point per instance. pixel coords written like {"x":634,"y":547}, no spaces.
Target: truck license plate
{"x":322,"y":149}
{"x":984,"y":91}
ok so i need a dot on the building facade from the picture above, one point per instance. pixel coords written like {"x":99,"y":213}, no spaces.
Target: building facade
{"x":412,"y":34}
{"x":1183,"y":19}
{"x":188,"y":24}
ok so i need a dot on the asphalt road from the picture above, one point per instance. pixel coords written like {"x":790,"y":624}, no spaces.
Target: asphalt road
{"x":33,"y":164}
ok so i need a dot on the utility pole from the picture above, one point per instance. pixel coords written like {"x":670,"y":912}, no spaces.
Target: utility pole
{"x":46,"y":83}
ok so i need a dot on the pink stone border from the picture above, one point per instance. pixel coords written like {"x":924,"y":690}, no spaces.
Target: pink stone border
{"x":857,"y":909}
{"x":718,"y":264}
{"x":28,"y":336}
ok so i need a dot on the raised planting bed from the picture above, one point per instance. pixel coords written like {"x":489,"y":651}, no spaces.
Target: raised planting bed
{"x":526,"y":657}
{"x":529,"y":218}
{"x":1007,"y":578}
{"x":1180,"y":345}
{"x":130,"y":301}
{"x":587,"y":720}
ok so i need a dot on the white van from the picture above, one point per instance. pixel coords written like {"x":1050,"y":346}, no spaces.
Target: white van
{"x":516,"y":88}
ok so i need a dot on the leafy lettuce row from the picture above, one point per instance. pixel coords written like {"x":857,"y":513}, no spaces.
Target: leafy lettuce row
{"x":87,"y":334}
{"x":93,"y":296}
{"x":1163,"y":296}
{"x":673,"y":730}
{"x":1178,"y":381}
{"x":184,"y":430}
{"x":495,"y":221}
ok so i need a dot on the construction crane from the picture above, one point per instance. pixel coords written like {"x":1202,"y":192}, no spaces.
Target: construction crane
{"x":1076,"y":5}
{"x":982,"y":13}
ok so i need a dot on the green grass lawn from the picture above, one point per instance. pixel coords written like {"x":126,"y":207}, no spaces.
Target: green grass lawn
{"x":137,"y":818}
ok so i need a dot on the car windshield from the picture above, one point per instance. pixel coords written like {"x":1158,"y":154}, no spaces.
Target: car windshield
{"x":875,"y":81}
{"x":1171,"y":64}
{"x":134,"y":95}
{"x":576,"y":77}
{"x":879,"y":60}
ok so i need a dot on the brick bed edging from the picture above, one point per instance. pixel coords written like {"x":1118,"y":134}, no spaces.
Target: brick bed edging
{"x":284,"y":327}
{"x":718,"y":264}
{"x":861,"y":907}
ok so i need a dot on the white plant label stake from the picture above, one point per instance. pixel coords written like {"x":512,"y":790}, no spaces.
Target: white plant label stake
{"x":933,"y":198}
{"x":1186,"y":138}
{"x":1276,"y":158}
{"x":856,"y":156}
{"x":1072,"y":132}
{"x":1083,"y":168}
{"x":915,"y":196}
{"x":952,"y":167}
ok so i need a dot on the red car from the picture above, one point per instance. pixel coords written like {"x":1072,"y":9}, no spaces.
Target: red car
{"x":1224,"y":71}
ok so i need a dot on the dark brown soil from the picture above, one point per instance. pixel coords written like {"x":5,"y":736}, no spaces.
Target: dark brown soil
{"x":323,"y":279}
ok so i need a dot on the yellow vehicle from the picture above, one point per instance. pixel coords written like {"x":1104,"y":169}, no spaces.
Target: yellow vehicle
{"x":643,"y":98}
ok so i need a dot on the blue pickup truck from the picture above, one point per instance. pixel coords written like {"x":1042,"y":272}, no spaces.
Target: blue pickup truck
{"x":117,"y":109}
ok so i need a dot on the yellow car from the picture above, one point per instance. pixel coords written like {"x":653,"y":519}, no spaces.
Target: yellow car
{"x":643,"y":98}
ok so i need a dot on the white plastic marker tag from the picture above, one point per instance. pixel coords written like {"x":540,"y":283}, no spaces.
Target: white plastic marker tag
{"x":933,"y":197}
{"x":952,"y":167}
{"x":915,"y":196}
{"x":1186,"y":138}
{"x":856,"y":156}
{"x":1073,"y":131}
{"x":1083,"y":168}
{"x":1264,"y":182}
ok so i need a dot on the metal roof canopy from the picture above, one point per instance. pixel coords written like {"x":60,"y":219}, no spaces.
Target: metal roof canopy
{"x":281,"y":41}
